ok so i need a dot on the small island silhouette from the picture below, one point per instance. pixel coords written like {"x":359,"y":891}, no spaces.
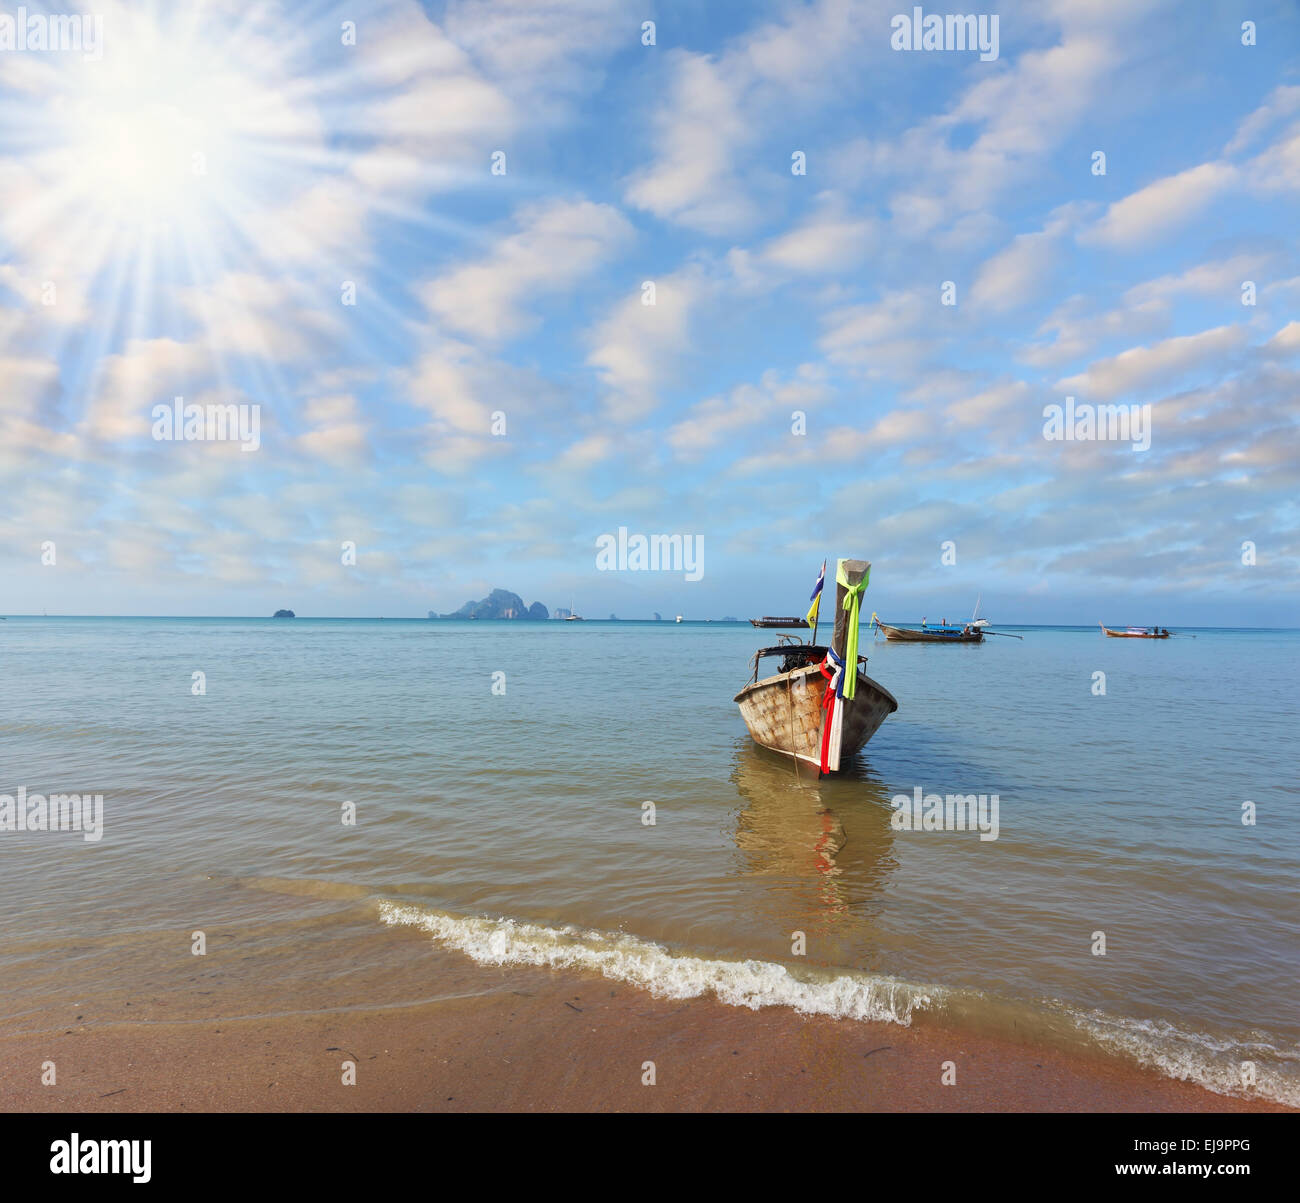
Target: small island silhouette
{"x":284,"y":614}
{"x":500,"y":603}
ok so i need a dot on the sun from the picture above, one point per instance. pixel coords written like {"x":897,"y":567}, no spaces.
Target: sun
{"x":150,"y":137}
{"x":189,"y":127}
{"x":139,"y":179}
{"x":138,"y":163}
{"x":203,"y":163}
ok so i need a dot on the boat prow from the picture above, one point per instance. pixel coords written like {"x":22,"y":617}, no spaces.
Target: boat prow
{"x":784,"y":712}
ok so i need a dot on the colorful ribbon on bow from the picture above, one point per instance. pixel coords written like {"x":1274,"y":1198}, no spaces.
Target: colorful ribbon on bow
{"x":832,"y":668}
{"x":853,"y":606}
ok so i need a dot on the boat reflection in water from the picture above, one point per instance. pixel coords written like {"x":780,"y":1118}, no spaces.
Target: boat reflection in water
{"x":826,"y":844}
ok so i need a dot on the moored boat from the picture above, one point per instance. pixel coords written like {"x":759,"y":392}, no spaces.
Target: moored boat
{"x":1136,"y":632}
{"x":790,"y":711}
{"x":930,"y":634}
{"x":780,"y":623}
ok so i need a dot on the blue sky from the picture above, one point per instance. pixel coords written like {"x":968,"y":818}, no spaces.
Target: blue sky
{"x":185,"y":210}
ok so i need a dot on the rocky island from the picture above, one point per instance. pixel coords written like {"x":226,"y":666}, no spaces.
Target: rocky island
{"x":284,"y":614}
{"x":498,"y":604}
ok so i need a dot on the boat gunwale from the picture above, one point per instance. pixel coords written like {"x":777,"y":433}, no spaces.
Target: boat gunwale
{"x":807,"y":669}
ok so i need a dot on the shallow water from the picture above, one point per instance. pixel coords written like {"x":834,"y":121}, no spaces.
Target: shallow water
{"x":493,"y":820}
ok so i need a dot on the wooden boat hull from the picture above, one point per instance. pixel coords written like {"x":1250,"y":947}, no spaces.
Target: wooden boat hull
{"x":784,"y":713}
{"x":904,"y":635}
{"x":1130,"y":634}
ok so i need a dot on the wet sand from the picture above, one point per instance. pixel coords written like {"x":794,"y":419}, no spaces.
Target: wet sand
{"x":534,"y":1040}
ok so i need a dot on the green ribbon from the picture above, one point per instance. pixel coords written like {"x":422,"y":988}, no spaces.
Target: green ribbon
{"x":853,"y":605}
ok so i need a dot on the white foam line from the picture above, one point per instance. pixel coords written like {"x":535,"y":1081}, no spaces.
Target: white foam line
{"x":1213,"y":1065}
{"x":652,"y":967}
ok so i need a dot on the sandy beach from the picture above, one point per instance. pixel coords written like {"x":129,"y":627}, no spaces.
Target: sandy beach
{"x":535,"y":1040}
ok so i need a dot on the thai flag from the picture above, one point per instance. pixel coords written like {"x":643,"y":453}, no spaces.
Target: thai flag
{"x":821,"y":580}
{"x":816,"y":597}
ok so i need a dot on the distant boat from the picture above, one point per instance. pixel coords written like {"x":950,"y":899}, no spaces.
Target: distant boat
{"x":574,"y":618}
{"x":782,"y":623}
{"x":790,"y":713}
{"x":931,"y":634}
{"x":679,"y":618}
{"x":1136,"y":632}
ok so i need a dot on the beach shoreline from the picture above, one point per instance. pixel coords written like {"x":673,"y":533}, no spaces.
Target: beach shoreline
{"x":533,"y":1040}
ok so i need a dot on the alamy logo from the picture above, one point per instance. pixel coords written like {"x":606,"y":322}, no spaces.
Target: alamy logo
{"x":31,"y":32}
{"x":78,"y":1156}
{"x":58,"y":812}
{"x":183,"y":423}
{"x":651,"y":553}
{"x":1098,"y":423}
{"x":950,"y":31}
{"x":953,"y":812}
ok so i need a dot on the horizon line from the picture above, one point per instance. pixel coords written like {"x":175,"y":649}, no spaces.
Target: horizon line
{"x":543,"y":621}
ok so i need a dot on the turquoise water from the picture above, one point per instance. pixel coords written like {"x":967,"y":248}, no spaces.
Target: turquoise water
{"x":496,"y":819}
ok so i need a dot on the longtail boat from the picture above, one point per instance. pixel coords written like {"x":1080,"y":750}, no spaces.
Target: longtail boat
{"x":781,"y":623}
{"x":930,"y":634}
{"x":1136,"y":632}
{"x":809,"y":709}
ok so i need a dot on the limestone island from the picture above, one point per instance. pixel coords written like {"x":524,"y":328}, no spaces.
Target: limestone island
{"x":499,"y":604}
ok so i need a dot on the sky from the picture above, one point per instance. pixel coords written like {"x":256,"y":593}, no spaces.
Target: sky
{"x":420,"y":244}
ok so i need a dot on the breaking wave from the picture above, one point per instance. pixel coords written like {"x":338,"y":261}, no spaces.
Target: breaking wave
{"x":1214,"y":1064}
{"x":624,"y":958}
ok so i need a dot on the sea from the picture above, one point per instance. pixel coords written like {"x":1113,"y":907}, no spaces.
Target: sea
{"x":280,"y":798}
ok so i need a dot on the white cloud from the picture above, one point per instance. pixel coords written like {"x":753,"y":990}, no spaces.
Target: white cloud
{"x":556,"y":245}
{"x":252,"y":314}
{"x":543,"y":54}
{"x":694,"y":180}
{"x":1222,"y":278}
{"x":339,"y":434}
{"x":1077,"y":329}
{"x":889,"y":335}
{"x":1163,"y":362}
{"x":1286,"y":341}
{"x":1017,"y":273}
{"x":638,"y":346}
{"x":1158,"y":209}
{"x":748,"y":408}
{"x":146,"y":373}
{"x":831,"y":241}
{"x":716,"y":105}
{"x":1277,"y":169}
{"x":25,"y":380}
{"x":985,"y":407}
{"x":1282,"y":102}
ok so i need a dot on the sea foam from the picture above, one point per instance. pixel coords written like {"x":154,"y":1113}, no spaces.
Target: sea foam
{"x":625,"y":958}
{"x":1185,"y":1056}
